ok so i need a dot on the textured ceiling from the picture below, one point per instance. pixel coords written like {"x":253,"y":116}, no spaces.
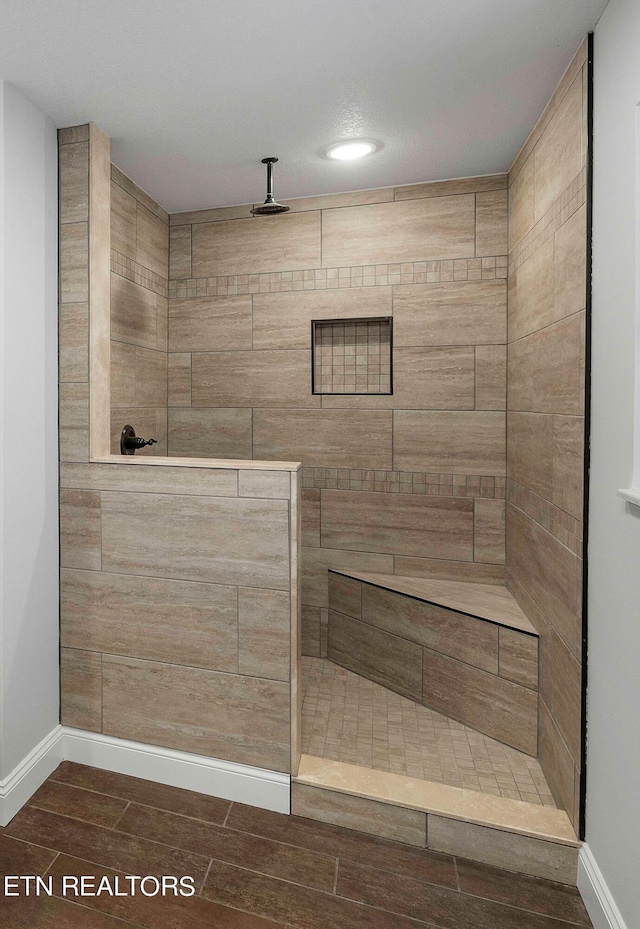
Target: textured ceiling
{"x":195,"y":92}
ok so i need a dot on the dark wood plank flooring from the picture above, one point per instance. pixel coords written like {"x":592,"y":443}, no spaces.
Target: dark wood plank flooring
{"x":252,"y":869}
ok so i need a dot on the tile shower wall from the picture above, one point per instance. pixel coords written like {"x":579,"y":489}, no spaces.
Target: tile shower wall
{"x":412,"y":483}
{"x":139,"y":311}
{"x":545,"y":420}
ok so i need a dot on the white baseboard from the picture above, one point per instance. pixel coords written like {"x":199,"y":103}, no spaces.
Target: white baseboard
{"x":597,"y":897}
{"x":214,"y":777}
{"x":33,"y":771}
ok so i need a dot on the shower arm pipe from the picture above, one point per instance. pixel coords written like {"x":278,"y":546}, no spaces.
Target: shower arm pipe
{"x":269,"y":162}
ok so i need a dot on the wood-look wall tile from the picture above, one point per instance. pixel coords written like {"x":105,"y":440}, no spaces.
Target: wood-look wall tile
{"x":530,"y":451}
{"x":558,"y":155}
{"x":438,"y":569}
{"x":434,"y":228}
{"x":138,"y":194}
{"x":289,"y":242}
{"x":556,"y":762}
{"x":491,"y":223}
{"x":210,"y":324}
{"x":140,"y":477}
{"x":152,"y":242}
{"x":519,"y":657}
{"x":138,"y":376}
{"x":310,"y":503}
{"x":74,"y":341}
{"x":379,"y":656}
{"x":264,"y":630}
{"x":317,"y":561}
{"x":227,"y":716}
{"x":491,"y":377}
{"x":73,"y":134}
{"x":283,"y":320}
{"x":162,"y":323}
{"x":531,"y":293}
{"x":123,"y":221}
{"x":267,"y":484}
{"x":544,"y":369}
{"x":461,"y":185}
{"x":179,"y":379}
{"x":252,"y":379}
{"x":133,"y":313}
{"x":221,"y":540}
{"x":570,"y":275}
{"x":324,"y":438}
{"x":81,"y":689}
{"x":432,"y":377}
{"x":454,"y":313}
{"x":179,"y":252}
{"x":454,"y":634}
{"x":311,"y":631}
{"x":507,"y":850}
{"x":561,"y":688}
{"x":74,"y":421}
{"x":359,"y":813}
{"x":210,"y":433}
{"x":345,"y":595}
{"x":549,"y":572}
{"x":216,"y":215}
{"x":182,"y":622}
{"x":74,"y":263}
{"x":489,"y":531}
{"x":457,"y":442}
{"x":407,"y":524}
{"x":149,"y":422}
{"x":568,"y":464}
{"x":499,"y":708}
{"x":522,"y":203}
{"x":74,"y":182}
{"x":80,"y":529}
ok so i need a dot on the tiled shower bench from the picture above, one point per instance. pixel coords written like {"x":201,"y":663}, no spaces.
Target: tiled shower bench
{"x":464,"y":650}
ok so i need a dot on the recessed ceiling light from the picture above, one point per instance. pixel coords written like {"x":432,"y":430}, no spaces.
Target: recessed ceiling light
{"x":348,"y":151}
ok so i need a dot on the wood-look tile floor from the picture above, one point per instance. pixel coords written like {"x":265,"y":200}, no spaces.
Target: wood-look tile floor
{"x":348,"y":718}
{"x":253,"y":869}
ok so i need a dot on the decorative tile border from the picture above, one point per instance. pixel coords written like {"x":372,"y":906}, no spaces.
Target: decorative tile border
{"x":564,"y":528}
{"x":568,"y":203}
{"x":410,"y":272}
{"x":404,"y":482}
{"x":137,"y":273}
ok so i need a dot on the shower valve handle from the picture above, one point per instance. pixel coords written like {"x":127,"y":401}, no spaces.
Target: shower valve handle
{"x":129,"y":441}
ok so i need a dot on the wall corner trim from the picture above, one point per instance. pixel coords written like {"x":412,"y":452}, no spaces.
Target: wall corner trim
{"x":596,"y":894}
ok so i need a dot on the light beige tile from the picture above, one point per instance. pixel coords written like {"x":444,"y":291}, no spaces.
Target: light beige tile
{"x":210,"y":433}
{"x":455,"y":313}
{"x":74,"y":182}
{"x":150,"y":423}
{"x":210,"y":324}
{"x":317,"y":561}
{"x":491,"y":377}
{"x":179,"y":379}
{"x":74,"y":422}
{"x":519,"y":657}
{"x":561,"y":688}
{"x":215,"y":215}
{"x":412,"y":230}
{"x":123,"y":221}
{"x":558,"y":155}
{"x":324,"y":438}
{"x":558,"y":765}
{"x":81,"y":689}
{"x":522,"y":203}
{"x":252,"y":379}
{"x":491,"y":223}
{"x":345,"y":595}
{"x":379,"y":656}
{"x":526,"y":854}
{"x":179,"y":252}
{"x":531,"y":293}
{"x":74,"y":263}
{"x":283,"y":320}
{"x":358,"y":813}
{"x":80,"y":529}
{"x":311,"y":630}
{"x":134,"y":474}
{"x":462,"y":185}
{"x":181,"y":622}
{"x":471,"y":443}
{"x":332,"y":201}
{"x":503,"y":710}
{"x":264,"y":626}
{"x":139,"y":194}
{"x":570,"y":252}
{"x":544,"y":369}
{"x":73,"y":134}
{"x":530,"y":451}
{"x":269,"y":243}
{"x":451,"y":633}
{"x":489,"y":531}
{"x":310,"y":501}
{"x":568,"y":464}
{"x":226,"y":716}
{"x":152,"y":242}
{"x":133,"y":313}
{"x":449,"y":570}
{"x":266,"y":484}
{"x":408,"y":524}
{"x":74,"y":340}
{"x":220,"y":540}
{"x":138,"y":376}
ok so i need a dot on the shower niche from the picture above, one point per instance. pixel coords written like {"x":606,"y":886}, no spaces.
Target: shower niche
{"x":352,"y":356}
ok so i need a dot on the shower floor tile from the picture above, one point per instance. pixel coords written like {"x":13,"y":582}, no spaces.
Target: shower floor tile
{"x":348,"y":718}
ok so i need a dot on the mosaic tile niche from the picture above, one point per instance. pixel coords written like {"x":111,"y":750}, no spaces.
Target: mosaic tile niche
{"x":352,"y":356}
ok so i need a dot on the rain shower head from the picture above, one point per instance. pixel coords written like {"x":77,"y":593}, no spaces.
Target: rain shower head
{"x":270,"y":206}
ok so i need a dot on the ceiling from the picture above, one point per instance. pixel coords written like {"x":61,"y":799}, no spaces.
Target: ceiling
{"x":195,"y":92}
